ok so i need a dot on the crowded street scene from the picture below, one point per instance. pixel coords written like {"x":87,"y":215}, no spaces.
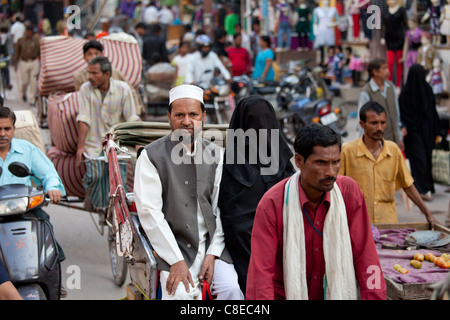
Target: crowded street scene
{"x":229,"y":150}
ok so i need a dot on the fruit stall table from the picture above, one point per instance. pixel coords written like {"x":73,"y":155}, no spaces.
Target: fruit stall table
{"x":391,"y":248}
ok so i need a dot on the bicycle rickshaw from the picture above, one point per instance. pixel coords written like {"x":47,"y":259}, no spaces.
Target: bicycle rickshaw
{"x":125,"y":140}
{"x":61,"y":58}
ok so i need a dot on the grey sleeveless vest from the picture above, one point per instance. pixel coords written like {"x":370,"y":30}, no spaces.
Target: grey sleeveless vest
{"x":391,"y":131}
{"x":182,"y":185}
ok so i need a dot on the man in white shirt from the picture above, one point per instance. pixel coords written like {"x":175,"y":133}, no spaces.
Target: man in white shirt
{"x":150,"y":13}
{"x":165,"y":17}
{"x":17,"y":30}
{"x":176,"y":187}
{"x":104,"y":103}
{"x":204,"y":62}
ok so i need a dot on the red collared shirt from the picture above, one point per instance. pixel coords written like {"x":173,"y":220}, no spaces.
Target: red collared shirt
{"x":265,"y":274}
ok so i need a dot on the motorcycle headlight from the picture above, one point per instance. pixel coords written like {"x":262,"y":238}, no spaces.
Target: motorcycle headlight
{"x":13,"y":206}
{"x":223,"y":90}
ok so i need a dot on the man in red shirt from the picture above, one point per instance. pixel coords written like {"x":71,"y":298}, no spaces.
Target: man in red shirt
{"x":239,"y":57}
{"x":319,"y":196}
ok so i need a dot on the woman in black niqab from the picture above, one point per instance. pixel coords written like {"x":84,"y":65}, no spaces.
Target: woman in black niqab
{"x":419,"y":115}
{"x":242,"y":184}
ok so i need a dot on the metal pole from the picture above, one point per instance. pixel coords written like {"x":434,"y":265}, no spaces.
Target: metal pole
{"x":265,"y":13}
{"x":207,"y":17}
{"x":376,"y":48}
{"x":96,"y":16}
{"x":248,"y":17}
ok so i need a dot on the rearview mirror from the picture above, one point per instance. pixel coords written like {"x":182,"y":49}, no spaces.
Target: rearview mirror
{"x":19,"y":169}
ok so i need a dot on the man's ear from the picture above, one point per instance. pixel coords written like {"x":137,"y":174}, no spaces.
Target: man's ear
{"x":299,"y":161}
{"x":362,"y":123}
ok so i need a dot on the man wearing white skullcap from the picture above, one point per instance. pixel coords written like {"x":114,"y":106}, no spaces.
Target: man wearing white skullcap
{"x":185,"y":91}
{"x":176,"y":187}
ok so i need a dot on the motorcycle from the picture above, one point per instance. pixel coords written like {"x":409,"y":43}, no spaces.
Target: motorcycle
{"x":215,"y":97}
{"x":27,"y":245}
{"x":304,"y":98}
{"x":241,"y":86}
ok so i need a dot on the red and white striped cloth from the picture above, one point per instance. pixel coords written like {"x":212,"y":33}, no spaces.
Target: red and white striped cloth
{"x":125,"y":57}
{"x":62,"y":112}
{"x":70,"y":174}
{"x":62,"y":56}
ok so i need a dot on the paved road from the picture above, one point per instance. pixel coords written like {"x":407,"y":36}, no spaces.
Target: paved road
{"x":86,"y":273}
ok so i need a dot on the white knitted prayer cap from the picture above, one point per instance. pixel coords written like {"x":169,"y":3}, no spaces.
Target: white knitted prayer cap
{"x":186,"y":91}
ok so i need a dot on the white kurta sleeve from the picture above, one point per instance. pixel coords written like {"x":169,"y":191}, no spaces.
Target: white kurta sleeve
{"x":149,"y":203}
{"x":218,"y":241}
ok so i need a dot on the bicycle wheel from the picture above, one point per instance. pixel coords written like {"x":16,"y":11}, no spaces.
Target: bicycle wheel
{"x":3,"y":83}
{"x":290,"y":126}
{"x":119,"y":265}
{"x":41,"y":111}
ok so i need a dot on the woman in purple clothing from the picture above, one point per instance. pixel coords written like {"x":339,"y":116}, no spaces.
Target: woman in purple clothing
{"x":412,"y":44}
{"x":127,"y":8}
{"x":284,"y":24}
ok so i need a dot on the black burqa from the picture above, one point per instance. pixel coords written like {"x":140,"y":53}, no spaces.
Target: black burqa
{"x":242,"y":185}
{"x":418,"y":114}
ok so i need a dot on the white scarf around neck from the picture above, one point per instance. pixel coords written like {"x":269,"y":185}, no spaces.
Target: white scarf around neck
{"x":339,"y":269}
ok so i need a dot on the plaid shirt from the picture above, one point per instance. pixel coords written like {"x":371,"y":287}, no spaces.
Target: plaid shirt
{"x":117,"y":106}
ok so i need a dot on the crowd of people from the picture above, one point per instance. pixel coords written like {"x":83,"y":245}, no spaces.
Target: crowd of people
{"x":249,"y":235}
{"x":234,"y":54}
{"x":265,"y":253}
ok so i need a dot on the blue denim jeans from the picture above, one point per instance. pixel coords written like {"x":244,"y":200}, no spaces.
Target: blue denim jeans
{"x":284,"y":28}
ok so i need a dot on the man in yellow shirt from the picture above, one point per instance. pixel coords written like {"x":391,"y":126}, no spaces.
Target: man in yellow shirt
{"x":378,"y":166}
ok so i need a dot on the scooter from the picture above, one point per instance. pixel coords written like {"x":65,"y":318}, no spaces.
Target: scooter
{"x":27,"y":245}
